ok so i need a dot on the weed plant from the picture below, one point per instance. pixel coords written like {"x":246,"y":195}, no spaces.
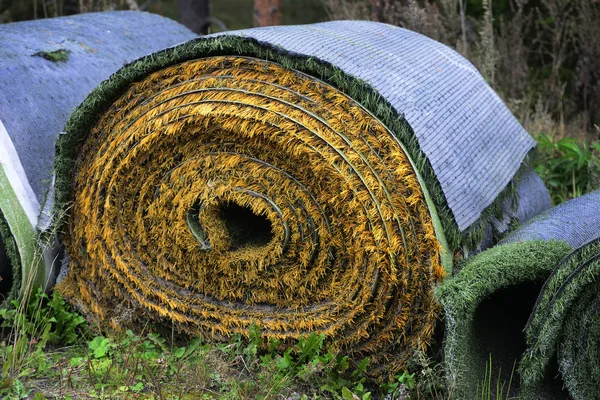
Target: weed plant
{"x":47,"y":351}
{"x":568,"y":168}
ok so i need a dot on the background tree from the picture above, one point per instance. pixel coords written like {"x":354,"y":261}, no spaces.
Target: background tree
{"x":267,"y":12}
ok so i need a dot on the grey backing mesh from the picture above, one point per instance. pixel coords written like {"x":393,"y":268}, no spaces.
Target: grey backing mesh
{"x":38,"y":95}
{"x":576,"y":221}
{"x":532,"y":198}
{"x":473,"y":142}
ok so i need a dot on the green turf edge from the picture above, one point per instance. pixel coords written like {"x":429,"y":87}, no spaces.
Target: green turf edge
{"x":494,"y":269}
{"x":84,"y":117}
{"x":32,"y":267}
{"x":555,"y":324}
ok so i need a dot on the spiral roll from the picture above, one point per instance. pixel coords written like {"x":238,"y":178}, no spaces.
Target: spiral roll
{"x":228,"y":191}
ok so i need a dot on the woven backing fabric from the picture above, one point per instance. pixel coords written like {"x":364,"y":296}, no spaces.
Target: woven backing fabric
{"x":48,"y":67}
{"x":488,"y":303}
{"x":565,"y":324}
{"x":230,"y":181}
{"x":575,"y":222}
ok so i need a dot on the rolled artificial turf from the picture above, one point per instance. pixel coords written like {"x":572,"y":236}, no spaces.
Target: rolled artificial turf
{"x":304,"y":179}
{"x":488,"y":304}
{"x":485,"y":308}
{"x":564,"y":328}
{"x":48,"y":67}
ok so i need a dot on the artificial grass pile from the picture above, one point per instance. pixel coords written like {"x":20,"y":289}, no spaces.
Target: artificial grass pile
{"x":511,"y":307}
{"x":564,"y":327}
{"x":48,"y":67}
{"x":486,"y":307}
{"x":249,"y":179}
{"x":183,"y":191}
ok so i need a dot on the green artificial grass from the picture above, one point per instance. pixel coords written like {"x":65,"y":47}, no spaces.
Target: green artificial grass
{"x":20,"y":241}
{"x":88,"y":113}
{"x":486,"y":306}
{"x":565,"y":325}
{"x":60,"y":55}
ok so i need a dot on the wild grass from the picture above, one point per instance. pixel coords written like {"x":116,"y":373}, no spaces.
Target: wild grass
{"x":568,"y":167}
{"x":494,"y":387}
{"x":48,"y":351}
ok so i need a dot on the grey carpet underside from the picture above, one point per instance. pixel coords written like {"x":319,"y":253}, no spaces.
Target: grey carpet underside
{"x":38,"y":95}
{"x":576,"y":222}
{"x":531,"y":198}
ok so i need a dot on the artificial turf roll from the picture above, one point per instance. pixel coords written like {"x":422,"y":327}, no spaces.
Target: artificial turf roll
{"x":565,"y":326}
{"x":184,"y":202}
{"x":488,"y":303}
{"x":575,"y":222}
{"x":260,"y":177}
{"x":48,"y":67}
{"x":485,"y":307}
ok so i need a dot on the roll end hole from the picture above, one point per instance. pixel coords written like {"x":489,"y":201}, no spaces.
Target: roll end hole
{"x":246,"y":229}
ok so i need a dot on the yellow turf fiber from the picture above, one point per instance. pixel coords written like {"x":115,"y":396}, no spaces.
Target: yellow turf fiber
{"x":353,"y":252}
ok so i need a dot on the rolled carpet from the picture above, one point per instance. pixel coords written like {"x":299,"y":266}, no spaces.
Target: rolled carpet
{"x":48,"y":68}
{"x":564,"y":328}
{"x":486,"y":306}
{"x":303,"y":178}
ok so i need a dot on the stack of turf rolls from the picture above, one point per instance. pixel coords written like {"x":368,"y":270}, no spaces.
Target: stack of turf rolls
{"x":47,"y":68}
{"x":525,"y":312}
{"x":316,"y":178}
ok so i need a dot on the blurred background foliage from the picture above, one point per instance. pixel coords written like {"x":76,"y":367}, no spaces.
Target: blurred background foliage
{"x":541,"y":56}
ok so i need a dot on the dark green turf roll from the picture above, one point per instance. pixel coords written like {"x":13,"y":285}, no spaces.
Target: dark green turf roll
{"x":486,"y":306}
{"x":565,"y":326}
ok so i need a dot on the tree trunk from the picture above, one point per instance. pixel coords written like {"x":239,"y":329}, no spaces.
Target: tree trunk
{"x":195,"y":14}
{"x":267,"y":12}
